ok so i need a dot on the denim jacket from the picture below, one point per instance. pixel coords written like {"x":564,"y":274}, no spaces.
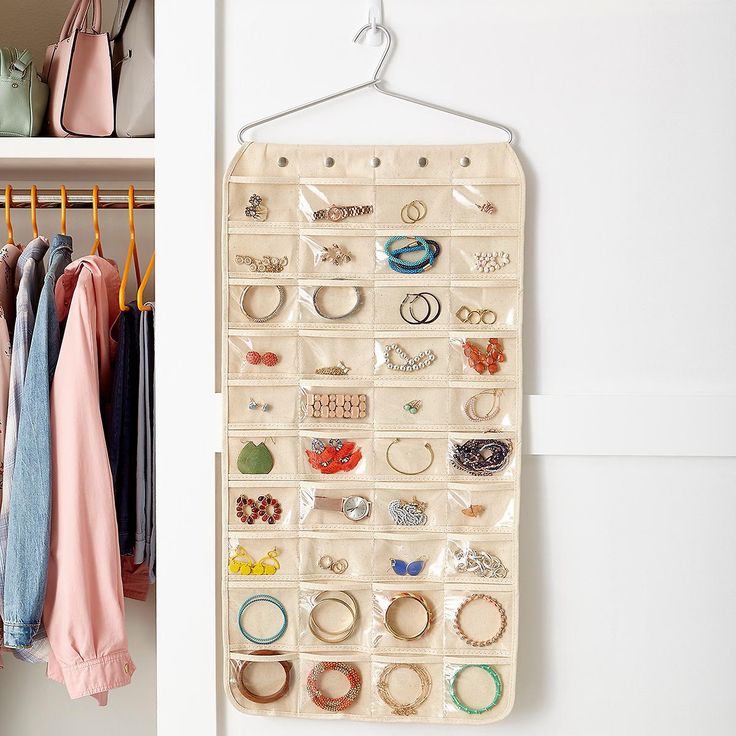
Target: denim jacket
{"x":30,"y":503}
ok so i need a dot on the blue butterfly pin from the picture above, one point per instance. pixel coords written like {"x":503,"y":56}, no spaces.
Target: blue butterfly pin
{"x":412,"y":568}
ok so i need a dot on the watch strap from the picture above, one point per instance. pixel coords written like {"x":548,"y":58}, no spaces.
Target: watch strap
{"x":325,"y":503}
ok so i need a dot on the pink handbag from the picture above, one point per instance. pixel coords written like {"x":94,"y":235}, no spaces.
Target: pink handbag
{"x":78,"y":70}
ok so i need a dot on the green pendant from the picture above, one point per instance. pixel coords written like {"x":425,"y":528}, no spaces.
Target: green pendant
{"x":255,"y":459}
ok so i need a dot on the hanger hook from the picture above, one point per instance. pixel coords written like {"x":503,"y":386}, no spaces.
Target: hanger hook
{"x":62,"y":196}
{"x":8,"y":207}
{"x":34,"y":204}
{"x":373,"y":26}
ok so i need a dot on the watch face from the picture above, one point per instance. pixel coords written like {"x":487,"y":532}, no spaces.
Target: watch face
{"x":334,"y":213}
{"x":356,"y":508}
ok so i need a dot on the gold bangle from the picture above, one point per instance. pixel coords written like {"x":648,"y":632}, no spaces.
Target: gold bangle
{"x":406,"y":472}
{"x":392,"y":629}
{"x":351,"y":604}
{"x":480,"y":642}
{"x":404,"y":709}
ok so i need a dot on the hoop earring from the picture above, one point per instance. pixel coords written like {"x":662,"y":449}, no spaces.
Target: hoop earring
{"x":405,"y":472}
{"x":429,"y":317}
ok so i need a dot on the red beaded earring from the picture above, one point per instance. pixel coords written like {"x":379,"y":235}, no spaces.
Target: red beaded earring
{"x":255,"y":358}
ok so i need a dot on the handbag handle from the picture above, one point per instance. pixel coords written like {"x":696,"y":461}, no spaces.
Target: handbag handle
{"x":77,"y":18}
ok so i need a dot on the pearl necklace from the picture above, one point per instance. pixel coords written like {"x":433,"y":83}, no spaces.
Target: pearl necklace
{"x":422,"y":360}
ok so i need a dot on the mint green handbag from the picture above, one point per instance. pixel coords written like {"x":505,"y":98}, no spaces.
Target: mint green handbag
{"x":23,"y":96}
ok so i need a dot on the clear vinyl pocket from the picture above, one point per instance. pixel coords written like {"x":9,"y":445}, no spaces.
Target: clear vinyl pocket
{"x":326,"y":205}
{"x":410,"y":405}
{"x":493,"y":258}
{"x":260,"y":506}
{"x":262,"y":204}
{"x":261,"y":354}
{"x":265,"y":683}
{"x":480,"y":357}
{"x":479,"y":623}
{"x":491,"y":457}
{"x":265,"y":255}
{"x":416,"y":456}
{"x":255,"y":556}
{"x":411,"y":307}
{"x":480,"y":560}
{"x":482,"y":307}
{"x":337,"y":305}
{"x":481,"y":508}
{"x":335,"y":616}
{"x":332,"y":558}
{"x":262,"y":404}
{"x":489,"y":205}
{"x":408,"y":618}
{"x":336,"y":454}
{"x":482,"y":409}
{"x":413,"y":253}
{"x":478,"y":691}
{"x":259,"y":455}
{"x":413,"y":206}
{"x":254,"y":305}
{"x":263,"y":614}
{"x":408,"y":558}
{"x":401,"y":356}
{"x":407,"y":688}
{"x":336,"y":506}
{"x":346,"y":357}
{"x":335,"y":404}
{"x":418,"y":507}
{"x":333,"y":254}
{"x":337,"y":687}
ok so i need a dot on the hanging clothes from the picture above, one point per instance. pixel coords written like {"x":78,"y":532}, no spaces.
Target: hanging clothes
{"x":145,"y":542}
{"x":83,"y":612}
{"x":30,"y":505}
{"x":122,"y":425}
{"x":29,"y":277}
{"x":9,"y":255}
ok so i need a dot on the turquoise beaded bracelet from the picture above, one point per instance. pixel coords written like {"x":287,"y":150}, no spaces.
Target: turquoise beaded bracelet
{"x":459,"y":703}
{"x":262,"y":598}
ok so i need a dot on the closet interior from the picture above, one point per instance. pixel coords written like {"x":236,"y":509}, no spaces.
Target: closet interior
{"x":100,"y":192}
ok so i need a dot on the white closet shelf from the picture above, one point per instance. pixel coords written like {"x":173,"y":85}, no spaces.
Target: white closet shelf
{"x":107,"y":159}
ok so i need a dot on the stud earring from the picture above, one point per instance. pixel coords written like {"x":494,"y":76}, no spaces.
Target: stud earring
{"x":253,"y":405}
{"x":413,"y":406}
{"x":256,"y":209}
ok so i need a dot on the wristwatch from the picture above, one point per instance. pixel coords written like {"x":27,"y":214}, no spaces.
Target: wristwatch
{"x":336,"y":213}
{"x":354,"y":508}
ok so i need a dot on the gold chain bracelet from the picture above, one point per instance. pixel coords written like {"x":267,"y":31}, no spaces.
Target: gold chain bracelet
{"x":404,"y":709}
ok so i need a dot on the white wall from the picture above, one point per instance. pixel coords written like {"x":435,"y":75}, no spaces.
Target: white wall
{"x":625,"y":114}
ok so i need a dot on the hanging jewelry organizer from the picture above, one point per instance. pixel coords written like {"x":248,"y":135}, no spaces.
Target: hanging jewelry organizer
{"x":372,"y":364}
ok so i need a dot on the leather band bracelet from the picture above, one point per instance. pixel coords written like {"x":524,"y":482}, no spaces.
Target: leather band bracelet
{"x":249,"y":694}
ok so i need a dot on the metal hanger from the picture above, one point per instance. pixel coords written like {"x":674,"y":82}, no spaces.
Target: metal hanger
{"x":376,"y":84}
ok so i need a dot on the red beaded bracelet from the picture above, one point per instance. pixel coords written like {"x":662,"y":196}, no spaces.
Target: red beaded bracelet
{"x":343,"y":702}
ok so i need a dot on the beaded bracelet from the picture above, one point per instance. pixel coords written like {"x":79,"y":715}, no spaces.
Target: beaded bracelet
{"x":466,"y":708}
{"x":271,"y":697}
{"x":342,"y":702}
{"x":429,"y":248}
{"x":262,"y":598}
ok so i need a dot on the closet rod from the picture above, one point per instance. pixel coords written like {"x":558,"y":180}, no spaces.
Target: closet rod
{"x":79,"y":199}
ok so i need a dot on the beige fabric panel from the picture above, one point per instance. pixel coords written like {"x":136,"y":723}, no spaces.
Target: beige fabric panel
{"x":431,"y":500}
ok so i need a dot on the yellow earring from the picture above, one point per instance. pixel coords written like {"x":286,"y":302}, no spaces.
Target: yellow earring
{"x":268,"y":564}
{"x":241,"y":563}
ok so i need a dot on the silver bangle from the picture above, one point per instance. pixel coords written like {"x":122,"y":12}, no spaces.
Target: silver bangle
{"x":267,"y":317}
{"x":358,"y":304}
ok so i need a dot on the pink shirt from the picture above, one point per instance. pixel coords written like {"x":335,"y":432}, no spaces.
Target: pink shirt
{"x":83,"y":614}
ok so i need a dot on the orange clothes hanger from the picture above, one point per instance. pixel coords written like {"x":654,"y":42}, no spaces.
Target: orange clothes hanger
{"x":131,"y":255}
{"x":97,"y":245}
{"x":34,"y":204}
{"x":8,"y":206}
{"x":62,"y":190}
{"x":142,"y":306}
